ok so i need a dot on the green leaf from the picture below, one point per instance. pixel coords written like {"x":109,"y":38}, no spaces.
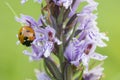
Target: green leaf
{"x":71,"y":36}
{"x":68,"y":72}
{"x":60,"y":17}
{"x":66,"y":13}
{"x":47,"y":72}
{"x":70,"y":24}
{"x":53,"y":69}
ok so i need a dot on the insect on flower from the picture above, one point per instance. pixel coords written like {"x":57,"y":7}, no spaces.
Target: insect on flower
{"x":26,"y":35}
{"x":71,"y":36}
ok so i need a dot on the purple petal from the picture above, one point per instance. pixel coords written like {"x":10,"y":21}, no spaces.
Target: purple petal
{"x":98,"y":56}
{"x":73,"y":52}
{"x":49,"y":47}
{"x":27,"y":20}
{"x":74,"y":8}
{"x":41,"y":19}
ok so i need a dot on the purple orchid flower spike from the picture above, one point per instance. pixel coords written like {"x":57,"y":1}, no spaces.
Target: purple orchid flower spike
{"x":70,"y":35}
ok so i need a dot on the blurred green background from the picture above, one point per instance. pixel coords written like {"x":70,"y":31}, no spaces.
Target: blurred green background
{"x":15,"y":66}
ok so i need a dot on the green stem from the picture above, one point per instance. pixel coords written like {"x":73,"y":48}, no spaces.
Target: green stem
{"x":60,"y":33}
{"x":61,"y":55}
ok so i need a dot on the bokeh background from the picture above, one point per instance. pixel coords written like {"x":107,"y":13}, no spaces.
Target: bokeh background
{"x":15,"y":66}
